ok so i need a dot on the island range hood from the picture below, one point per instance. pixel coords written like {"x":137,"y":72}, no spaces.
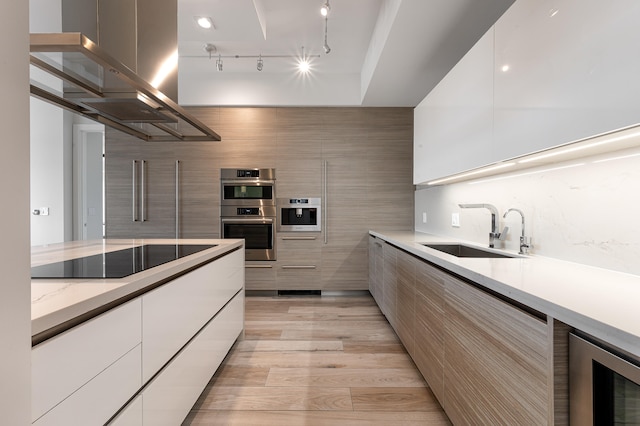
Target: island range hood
{"x":90,"y":78}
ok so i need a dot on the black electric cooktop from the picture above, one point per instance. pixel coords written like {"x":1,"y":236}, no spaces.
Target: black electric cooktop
{"x":117,"y":264}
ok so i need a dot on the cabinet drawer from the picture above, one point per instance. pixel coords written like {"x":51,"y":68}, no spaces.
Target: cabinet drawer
{"x":99,"y":399}
{"x":63,"y":364}
{"x":260,"y":275}
{"x":298,"y":276}
{"x":175,"y":312}
{"x":169,"y":397}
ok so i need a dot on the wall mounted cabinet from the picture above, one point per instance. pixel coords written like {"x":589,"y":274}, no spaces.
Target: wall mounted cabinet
{"x":544,"y":75}
{"x":454,"y":123}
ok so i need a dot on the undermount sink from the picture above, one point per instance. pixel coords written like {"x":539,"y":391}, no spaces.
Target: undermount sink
{"x":461,"y":250}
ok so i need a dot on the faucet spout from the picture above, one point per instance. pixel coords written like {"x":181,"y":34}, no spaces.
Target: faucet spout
{"x":525,"y":244}
{"x":494,"y":219}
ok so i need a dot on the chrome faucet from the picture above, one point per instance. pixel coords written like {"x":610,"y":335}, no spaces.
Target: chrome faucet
{"x":494,"y":221}
{"x":525,"y":243}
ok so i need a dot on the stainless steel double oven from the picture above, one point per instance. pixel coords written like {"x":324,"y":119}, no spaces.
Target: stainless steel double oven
{"x":248,"y":210}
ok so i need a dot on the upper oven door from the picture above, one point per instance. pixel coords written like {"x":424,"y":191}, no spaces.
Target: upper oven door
{"x":247,"y":193}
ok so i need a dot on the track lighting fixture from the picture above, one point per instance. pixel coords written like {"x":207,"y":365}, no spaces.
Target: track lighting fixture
{"x":302,"y":60}
{"x":325,"y":9}
{"x":325,"y":46}
{"x":303,"y":63}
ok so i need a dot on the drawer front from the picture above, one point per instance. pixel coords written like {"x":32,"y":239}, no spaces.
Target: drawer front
{"x":63,"y":364}
{"x":169,"y":397}
{"x":99,"y":399}
{"x":173,"y":313}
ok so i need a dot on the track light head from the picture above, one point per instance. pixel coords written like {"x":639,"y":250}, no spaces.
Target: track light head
{"x":325,"y":9}
{"x":260,"y":64}
{"x":219,"y":63}
{"x":326,"y":48}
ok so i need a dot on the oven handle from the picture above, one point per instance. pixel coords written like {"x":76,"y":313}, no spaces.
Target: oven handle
{"x":234,"y":220}
{"x":249,"y":182}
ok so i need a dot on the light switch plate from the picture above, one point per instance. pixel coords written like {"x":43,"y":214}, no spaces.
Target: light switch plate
{"x":455,"y":220}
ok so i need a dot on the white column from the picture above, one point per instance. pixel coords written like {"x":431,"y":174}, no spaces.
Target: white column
{"x":15,"y":289}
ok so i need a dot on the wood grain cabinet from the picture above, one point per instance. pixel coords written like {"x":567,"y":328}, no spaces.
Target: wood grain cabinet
{"x":376,"y":267}
{"x":406,"y":301}
{"x":487,"y":359}
{"x":299,"y":260}
{"x":495,"y":365}
{"x":389,"y":283}
{"x":429,"y":326}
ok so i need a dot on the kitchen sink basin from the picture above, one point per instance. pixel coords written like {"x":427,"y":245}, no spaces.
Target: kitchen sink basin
{"x":461,"y":250}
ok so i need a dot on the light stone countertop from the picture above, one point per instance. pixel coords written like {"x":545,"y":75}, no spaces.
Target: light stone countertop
{"x":55,"y":301}
{"x":600,"y":302}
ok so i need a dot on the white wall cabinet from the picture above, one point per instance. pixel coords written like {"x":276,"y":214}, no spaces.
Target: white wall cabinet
{"x":453,"y":126}
{"x":547,"y":73}
{"x":572,"y":72}
{"x":95,"y":361}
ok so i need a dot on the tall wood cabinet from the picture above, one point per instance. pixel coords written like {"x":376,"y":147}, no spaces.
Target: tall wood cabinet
{"x":358,"y":160}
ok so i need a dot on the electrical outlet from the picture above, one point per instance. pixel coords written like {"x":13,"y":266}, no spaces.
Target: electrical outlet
{"x":455,"y":220}
{"x":424,"y":217}
{"x":44,"y":211}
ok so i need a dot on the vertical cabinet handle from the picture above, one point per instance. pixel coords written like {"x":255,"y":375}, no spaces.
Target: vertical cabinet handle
{"x":143,"y":198}
{"x":325,"y":202}
{"x":177,"y":199}
{"x":134,"y":192}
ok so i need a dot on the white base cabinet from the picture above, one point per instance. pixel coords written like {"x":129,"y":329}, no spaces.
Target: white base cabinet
{"x":168,"y":398}
{"x":96,"y":361}
{"x":157,"y":351}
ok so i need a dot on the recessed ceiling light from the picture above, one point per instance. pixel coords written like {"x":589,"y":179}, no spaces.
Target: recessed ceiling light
{"x":204,"y":22}
{"x":505,"y":68}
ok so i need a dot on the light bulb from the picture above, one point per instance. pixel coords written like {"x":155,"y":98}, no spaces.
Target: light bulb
{"x":204,"y":22}
{"x":325,"y":9}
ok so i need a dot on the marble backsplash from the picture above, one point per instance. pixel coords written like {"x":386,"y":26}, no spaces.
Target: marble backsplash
{"x":585,"y":210}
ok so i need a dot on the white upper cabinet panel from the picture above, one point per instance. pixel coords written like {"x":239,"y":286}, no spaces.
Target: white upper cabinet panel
{"x":453,"y":126}
{"x":573,"y":71}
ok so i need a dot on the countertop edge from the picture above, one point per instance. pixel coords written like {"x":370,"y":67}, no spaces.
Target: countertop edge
{"x":90,"y":295}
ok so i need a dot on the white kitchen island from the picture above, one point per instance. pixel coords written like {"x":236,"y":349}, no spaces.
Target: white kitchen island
{"x":133,"y":350}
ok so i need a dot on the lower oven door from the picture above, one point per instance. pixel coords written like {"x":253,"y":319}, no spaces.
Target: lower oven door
{"x":258,"y":234}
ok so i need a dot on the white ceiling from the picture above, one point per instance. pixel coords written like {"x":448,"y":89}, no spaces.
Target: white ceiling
{"x":383,"y":52}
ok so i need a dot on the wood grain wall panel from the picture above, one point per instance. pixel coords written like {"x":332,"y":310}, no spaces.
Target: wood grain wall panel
{"x":495,"y":365}
{"x":299,"y":166}
{"x":368,"y":152}
{"x":254,"y":124}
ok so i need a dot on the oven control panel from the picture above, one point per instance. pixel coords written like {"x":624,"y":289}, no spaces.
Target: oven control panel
{"x":248,"y":211}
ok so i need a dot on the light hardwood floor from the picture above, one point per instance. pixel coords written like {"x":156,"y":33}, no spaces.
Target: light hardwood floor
{"x":317,"y":361}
